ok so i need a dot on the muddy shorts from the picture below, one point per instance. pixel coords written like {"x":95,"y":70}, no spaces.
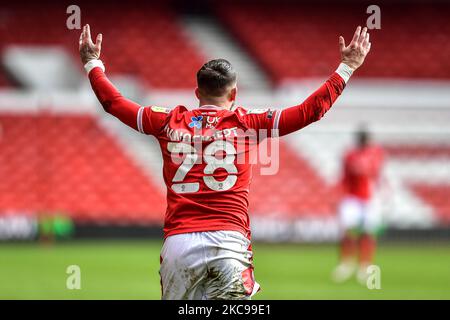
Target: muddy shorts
{"x":207,"y":265}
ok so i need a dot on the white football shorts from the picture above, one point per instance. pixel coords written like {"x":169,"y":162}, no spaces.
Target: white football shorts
{"x":206,"y":266}
{"x":357,"y":214}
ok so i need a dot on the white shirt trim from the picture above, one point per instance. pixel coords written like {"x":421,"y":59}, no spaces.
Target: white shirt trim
{"x":344,"y":71}
{"x":276,"y":121}
{"x":210,"y":106}
{"x":140,"y":125}
{"x":93,"y":64}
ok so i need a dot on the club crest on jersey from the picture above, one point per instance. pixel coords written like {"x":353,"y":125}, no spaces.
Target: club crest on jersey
{"x":196,"y":122}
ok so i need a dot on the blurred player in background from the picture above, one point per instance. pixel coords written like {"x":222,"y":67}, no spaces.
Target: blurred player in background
{"x":207,"y":250}
{"x":359,"y":214}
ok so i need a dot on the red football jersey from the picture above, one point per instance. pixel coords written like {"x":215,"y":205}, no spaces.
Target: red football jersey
{"x":207,"y":187}
{"x":362,"y":168}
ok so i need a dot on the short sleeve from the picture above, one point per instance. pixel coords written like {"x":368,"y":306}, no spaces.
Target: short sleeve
{"x":151,"y":120}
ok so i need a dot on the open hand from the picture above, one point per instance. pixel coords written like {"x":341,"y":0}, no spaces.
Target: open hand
{"x":354,"y":54}
{"x":88,"y":50}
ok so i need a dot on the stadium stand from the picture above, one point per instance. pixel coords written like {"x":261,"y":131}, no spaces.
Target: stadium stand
{"x":68,"y":164}
{"x":433,"y":186}
{"x":294,"y":41}
{"x":147,"y":42}
{"x":437,"y":196}
{"x":306,"y":195}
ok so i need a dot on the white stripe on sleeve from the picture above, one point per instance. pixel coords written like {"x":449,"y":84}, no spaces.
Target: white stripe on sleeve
{"x":276,"y":122}
{"x":140,"y":125}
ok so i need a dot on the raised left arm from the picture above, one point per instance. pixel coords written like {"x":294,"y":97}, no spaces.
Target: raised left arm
{"x":317,"y":104}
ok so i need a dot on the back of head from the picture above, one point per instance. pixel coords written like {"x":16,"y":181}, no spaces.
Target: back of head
{"x":363,"y":136}
{"x":215,"y":78}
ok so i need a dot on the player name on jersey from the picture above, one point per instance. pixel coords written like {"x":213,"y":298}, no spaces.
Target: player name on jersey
{"x":182,"y":135}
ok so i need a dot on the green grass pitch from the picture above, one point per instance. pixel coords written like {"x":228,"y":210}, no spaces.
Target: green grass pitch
{"x":129,"y":270}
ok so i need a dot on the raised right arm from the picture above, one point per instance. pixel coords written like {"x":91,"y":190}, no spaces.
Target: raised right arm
{"x":110,"y":98}
{"x":142,"y":119}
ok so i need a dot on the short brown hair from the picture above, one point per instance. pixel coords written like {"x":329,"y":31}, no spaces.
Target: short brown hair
{"x":215,"y":77}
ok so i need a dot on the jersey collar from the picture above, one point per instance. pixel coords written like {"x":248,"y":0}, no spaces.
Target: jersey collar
{"x":211,"y":106}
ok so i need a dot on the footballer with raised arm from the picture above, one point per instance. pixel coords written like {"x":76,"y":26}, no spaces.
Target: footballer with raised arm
{"x":207,"y":249}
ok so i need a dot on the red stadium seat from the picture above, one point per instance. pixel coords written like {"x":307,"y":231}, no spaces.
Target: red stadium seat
{"x":295,"y":41}
{"x":296,"y":191}
{"x":146,"y":41}
{"x":437,"y":196}
{"x":69,"y":164}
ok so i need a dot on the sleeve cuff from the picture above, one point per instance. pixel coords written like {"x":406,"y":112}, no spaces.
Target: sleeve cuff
{"x":344,"y":71}
{"x":93,"y":64}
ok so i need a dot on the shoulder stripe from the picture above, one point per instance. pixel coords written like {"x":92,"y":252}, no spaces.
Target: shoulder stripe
{"x":276,"y":121}
{"x":140,"y":125}
{"x":275,"y":124}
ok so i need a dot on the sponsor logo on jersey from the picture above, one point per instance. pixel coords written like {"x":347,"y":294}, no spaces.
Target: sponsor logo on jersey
{"x":257,"y":111}
{"x":196,"y":122}
{"x":211,"y":122}
{"x":160,"y":109}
